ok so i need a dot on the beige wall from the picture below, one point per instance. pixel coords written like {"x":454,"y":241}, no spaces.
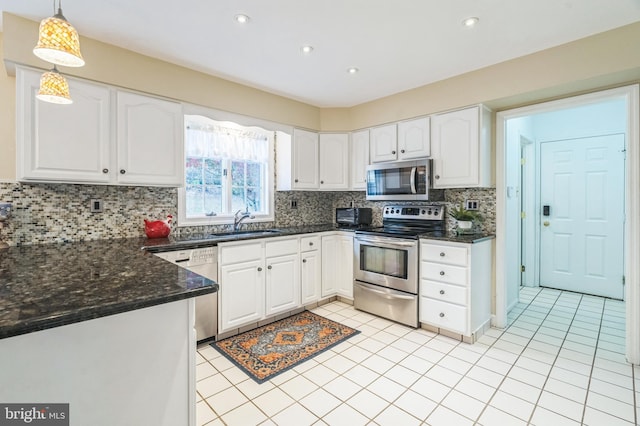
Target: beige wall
{"x":595,"y":62}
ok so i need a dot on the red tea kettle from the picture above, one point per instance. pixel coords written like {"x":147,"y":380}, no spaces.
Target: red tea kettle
{"x":158,"y":228}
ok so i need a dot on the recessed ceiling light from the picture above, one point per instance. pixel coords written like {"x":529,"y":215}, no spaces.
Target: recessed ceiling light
{"x":352,"y":70}
{"x":470,"y":22}
{"x":306,"y":49}
{"x":242,"y":19}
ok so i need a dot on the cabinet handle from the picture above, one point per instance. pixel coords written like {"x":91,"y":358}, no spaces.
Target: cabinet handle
{"x":402,"y":151}
{"x":441,"y":272}
{"x":441,"y":254}
{"x":304,"y":260}
{"x":393,"y":152}
{"x":122,"y":171}
{"x":269,"y":267}
{"x":296,"y":180}
{"x":441,"y":291}
{"x":311,"y":243}
{"x":105,"y":171}
{"x":437,"y":176}
{"x":441,"y":314}
{"x":259,"y":269}
{"x":321,"y":181}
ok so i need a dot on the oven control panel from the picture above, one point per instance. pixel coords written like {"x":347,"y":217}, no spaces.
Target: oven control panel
{"x":426,"y":212}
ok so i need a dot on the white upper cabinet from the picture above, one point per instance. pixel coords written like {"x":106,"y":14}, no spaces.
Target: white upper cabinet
{"x":334,"y":161}
{"x":359,"y":159}
{"x":305,"y":160}
{"x":105,"y":136}
{"x":460,"y":148}
{"x":384,"y":143}
{"x":150,"y":134}
{"x":69,"y":143}
{"x":414,"y":139}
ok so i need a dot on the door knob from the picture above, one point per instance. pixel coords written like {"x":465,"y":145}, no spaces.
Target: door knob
{"x":546,"y":223}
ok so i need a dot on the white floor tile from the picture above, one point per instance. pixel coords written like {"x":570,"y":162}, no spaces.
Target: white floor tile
{"x":204,"y":370}
{"x":561,"y":405}
{"x":521,"y":390}
{"x":527,"y":376}
{"x":320,"y":402}
{"x":512,"y":404}
{"x":610,"y":405}
{"x":442,"y":416}
{"x":342,"y":388}
{"x":417,"y":364}
{"x":377,"y":364}
{"x":574,"y":393}
{"x":544,"y":417}
{"x":431,"y":389}
{"x":485,"y":376}
{"x":402,"y":375}
{"x":212,"y":385}
{"x":320,"y":374}
{"x":492,"y":416}
{"x":250,"y":388}
{"x":386,"y":389}
{"x":273,"y":401}
{"x":247,"y":414}
{"x":367,"y":403}
{"x":298,"y":387}
{"x":612,"y":391}
{"x":463,"y":404}
{"x":593,"y":417}
{"x":475,"y":389}
{"x":227,"y":400}
{"x":339,"y":364}
{"x":356,"y":354}
{"x":443,"y":375}
{"x":394,"y":416}
{"x":361,"y":375}
{"x":415,"y":404}
{"x":295,"y":415}
{"x":344,"y":415}
{"x":204,"y":414}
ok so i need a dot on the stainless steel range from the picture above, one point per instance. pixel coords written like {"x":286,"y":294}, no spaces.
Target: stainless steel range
{"x":386,"y":261}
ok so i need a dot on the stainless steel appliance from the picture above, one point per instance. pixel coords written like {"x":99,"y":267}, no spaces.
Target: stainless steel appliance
{"x":203,"y":262}
{"x":399,"y":181}
{"x":386,"y":261}
{"x":353,"y":216}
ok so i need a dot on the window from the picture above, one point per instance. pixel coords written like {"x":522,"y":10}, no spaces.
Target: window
{"x":228,"y":168}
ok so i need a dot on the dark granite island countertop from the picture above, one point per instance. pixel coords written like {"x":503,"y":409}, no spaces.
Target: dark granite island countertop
{"x":46,"y":286}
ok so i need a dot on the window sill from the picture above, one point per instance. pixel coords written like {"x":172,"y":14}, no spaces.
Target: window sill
{"x":221,"y":220}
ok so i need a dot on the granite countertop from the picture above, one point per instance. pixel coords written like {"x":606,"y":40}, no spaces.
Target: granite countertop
{"x":46,"y":286}
{"x":455,"y":238}
{"x":192,"y":241}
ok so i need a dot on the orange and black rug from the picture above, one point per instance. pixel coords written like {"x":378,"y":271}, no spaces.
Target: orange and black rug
{"x":275,"y":348}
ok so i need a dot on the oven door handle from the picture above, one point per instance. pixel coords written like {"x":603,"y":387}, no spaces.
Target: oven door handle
{"x":413,"y":179}
{"x":388,"y":241}
{"x":387,"y":295}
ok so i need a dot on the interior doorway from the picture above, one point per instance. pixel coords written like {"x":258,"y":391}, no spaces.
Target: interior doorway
{"x":531,"y":130}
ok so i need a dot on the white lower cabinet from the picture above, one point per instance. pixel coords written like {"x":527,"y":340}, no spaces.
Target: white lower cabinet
{"x":337,"y":265}
{"x":258,"y":279}
{"x":455,"y":286}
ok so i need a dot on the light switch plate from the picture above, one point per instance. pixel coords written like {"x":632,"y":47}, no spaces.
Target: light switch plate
{"x":96,"y":205}
{"x":471,"y":204}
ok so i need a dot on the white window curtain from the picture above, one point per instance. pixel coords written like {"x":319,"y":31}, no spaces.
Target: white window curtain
{"x":214,"y":141}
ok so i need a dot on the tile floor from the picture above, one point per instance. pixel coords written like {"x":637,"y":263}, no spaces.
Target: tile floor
{"x":560,"y":362}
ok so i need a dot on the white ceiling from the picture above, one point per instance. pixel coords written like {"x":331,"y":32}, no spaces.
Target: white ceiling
{"x":396,"y":44}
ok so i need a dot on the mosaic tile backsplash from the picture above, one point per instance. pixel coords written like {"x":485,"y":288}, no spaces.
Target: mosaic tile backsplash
{"x":46,"y":213}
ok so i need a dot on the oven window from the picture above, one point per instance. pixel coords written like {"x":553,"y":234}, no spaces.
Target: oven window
{"x":385,"y":261}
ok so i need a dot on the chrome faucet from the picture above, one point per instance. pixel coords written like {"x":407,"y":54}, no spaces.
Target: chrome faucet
{"x":240,"y":216}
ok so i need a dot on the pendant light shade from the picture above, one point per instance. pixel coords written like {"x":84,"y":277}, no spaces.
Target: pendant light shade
{"x":58,"y":42}
{"x":54,"y":88}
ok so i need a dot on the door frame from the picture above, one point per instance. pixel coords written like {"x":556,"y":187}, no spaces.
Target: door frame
{"x":632,"y":205}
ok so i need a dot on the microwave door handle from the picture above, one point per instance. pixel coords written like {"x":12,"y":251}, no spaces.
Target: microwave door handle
{"x":414,"y":170}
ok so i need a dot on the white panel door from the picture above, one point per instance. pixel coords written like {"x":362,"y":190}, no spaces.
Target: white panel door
{"x":241,"y":294}
{"x":305,"y":160}
{"x":282,"y":289}
{"x":414,"y":139}
{"x":359,"y":159}
{"x":310,"y":276}
{"x":384,"y":143}
{"x":581,"y":247}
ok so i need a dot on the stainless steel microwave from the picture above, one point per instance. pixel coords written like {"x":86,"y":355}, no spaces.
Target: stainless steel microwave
{"x":399,"y":181}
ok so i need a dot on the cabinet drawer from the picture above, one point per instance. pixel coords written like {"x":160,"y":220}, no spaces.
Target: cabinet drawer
{"x":444,"y":254}
{"x":240,"y":253}
{"x":443,"y":315}
{"x":443,"y":273}
{"x":281,"y":247}
{"x":309,"y":243}
{"x":444,"y":292}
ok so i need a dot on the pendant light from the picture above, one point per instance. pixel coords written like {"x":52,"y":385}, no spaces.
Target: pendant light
{"x":58,"y":41}
{"x":54,"y":88}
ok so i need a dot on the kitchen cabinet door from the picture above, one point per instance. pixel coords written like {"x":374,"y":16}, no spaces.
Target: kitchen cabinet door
{"x":241,"y":294}
{"x":359,"y":159}
{"x":282,"y":286}
{"x":150,"y":140}
{"x":310,"y":276}
{"x":334,"y":161}
{"x":305,"y":160}
{"x":330,"y":258}
{"x":414,"y":139}
{"x":460,"y":148}
{"x":384,"y":143}
{"x":345,"y":266}
{"x":65,"y":143}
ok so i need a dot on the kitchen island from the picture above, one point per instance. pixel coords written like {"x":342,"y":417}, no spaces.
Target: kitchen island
{"x":103,"y":326}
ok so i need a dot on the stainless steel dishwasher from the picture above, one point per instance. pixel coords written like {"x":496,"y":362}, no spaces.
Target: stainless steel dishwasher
{"x":202,"y":261}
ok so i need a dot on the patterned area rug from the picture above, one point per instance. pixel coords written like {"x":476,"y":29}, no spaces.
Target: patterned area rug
{"x":275,"y":348}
